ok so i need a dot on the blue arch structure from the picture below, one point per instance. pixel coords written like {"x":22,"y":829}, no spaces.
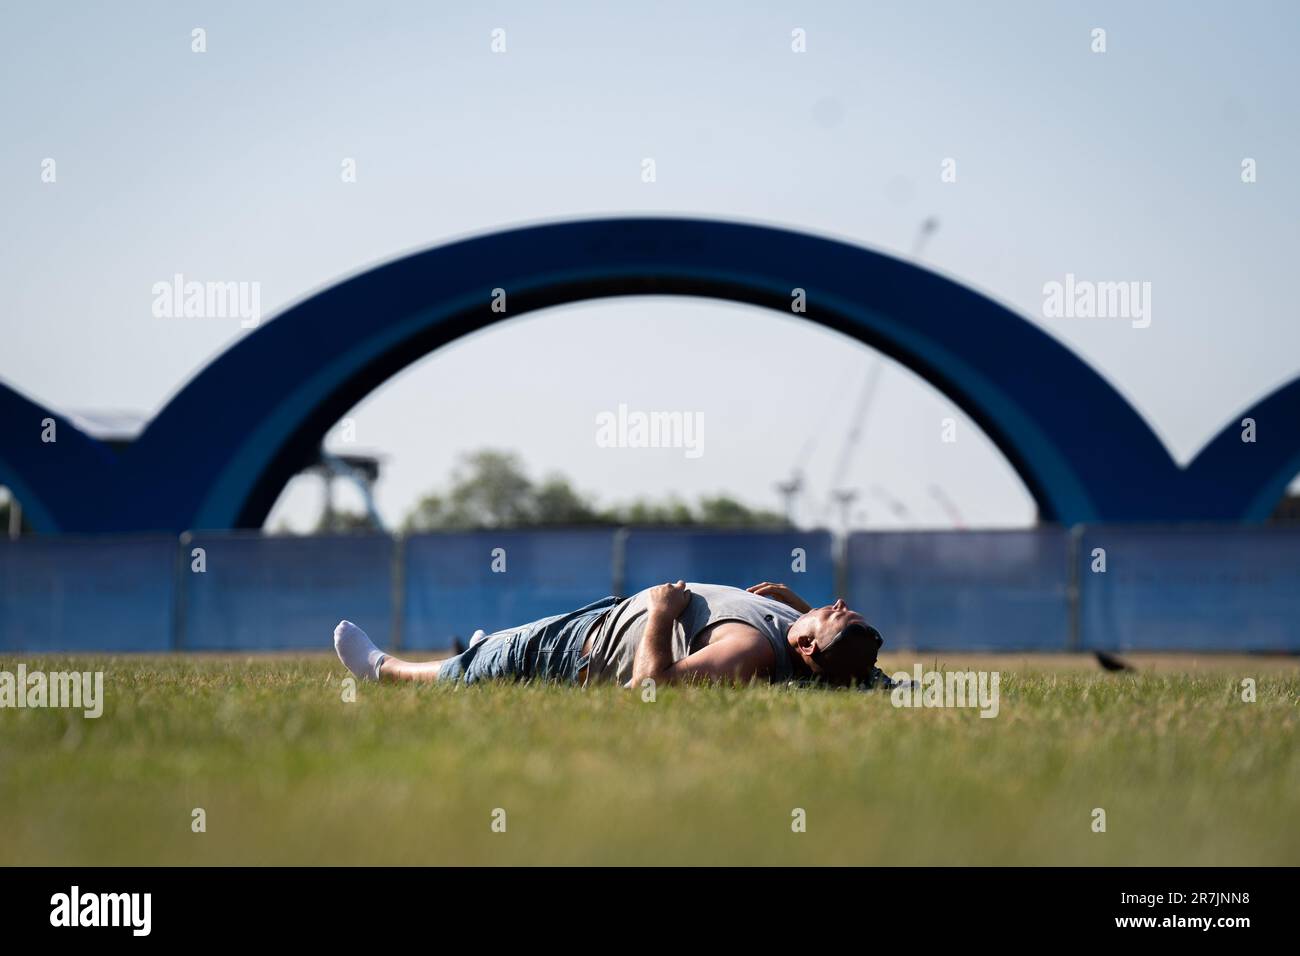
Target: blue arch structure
{"x":218,"y":454}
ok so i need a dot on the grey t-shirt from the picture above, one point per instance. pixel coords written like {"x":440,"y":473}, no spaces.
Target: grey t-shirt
{"x":615,"y":640}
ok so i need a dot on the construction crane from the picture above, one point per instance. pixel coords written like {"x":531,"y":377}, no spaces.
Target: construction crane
{"x":928,"y":228}
{"x":793,"y":487}
{"x":948,"y":505}
{"x":839,"y":494}
{"x":895,"y":506}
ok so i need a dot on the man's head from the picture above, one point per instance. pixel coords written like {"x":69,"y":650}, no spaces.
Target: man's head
{"x":836,"y":644}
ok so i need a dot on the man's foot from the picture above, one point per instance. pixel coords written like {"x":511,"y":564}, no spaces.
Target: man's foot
{"x":479,"y":635}
{"x":357,"y":651}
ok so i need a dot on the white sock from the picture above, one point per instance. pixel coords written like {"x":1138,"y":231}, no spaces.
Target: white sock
{"x":357,"y":651}
{"x":479,"y":635}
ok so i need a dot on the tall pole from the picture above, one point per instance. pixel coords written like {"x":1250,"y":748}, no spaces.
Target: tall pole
{"x":789,"y":492}
{"x":844,"y":497}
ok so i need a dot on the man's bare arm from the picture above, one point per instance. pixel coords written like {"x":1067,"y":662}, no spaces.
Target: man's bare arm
{"x":654,"y":655}
{"x":740,"y":656}
{"x":779,"y":592}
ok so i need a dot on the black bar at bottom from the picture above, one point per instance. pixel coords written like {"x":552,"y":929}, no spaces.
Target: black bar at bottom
{"x":301,"y":906}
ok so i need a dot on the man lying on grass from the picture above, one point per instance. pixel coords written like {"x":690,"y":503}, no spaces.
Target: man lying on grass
{"x":669,"y":633}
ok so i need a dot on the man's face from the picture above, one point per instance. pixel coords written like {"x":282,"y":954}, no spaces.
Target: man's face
{"x":843,"y":661}
{"x":832,"y":619}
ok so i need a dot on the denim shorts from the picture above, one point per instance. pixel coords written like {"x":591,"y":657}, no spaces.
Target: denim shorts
{"x":549,"y":650}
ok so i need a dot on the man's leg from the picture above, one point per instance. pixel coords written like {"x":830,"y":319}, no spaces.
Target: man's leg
{"x":392,"y":669}
{"x":360,"y":655}
{"x":550,"y":649}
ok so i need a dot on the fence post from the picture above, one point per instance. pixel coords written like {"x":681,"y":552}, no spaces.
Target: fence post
{"x":397,"y":593}
{"x":618,"y":563}
{"x":1074,"y":542}
{"x":180,"y":590}
{"x":840,"y":562}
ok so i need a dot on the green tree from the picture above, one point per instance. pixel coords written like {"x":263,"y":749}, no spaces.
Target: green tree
{"x":491,"y":489}
{"x":556,"y":502}
{"x":671,"y":511}
{"x":723,"y":511}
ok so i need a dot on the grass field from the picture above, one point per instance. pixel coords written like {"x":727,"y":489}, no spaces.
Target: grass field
{"x":287,"y":772}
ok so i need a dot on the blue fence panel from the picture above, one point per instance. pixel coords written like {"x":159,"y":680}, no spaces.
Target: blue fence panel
{"x":964,"y":590}
{"x":86,"y":594}
{"x":452,"y":589}
{"x":285,"y":592}
{"x":738,"y":558}
{"x":1225,"y":588}
{"x":1191,"y":589}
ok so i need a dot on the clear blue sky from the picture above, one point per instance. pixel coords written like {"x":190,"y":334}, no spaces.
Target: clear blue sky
{"x":225,"y":166}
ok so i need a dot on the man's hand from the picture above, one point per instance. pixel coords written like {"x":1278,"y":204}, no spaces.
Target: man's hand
{"x":779,"y":592}
{"x":669,"y":600}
